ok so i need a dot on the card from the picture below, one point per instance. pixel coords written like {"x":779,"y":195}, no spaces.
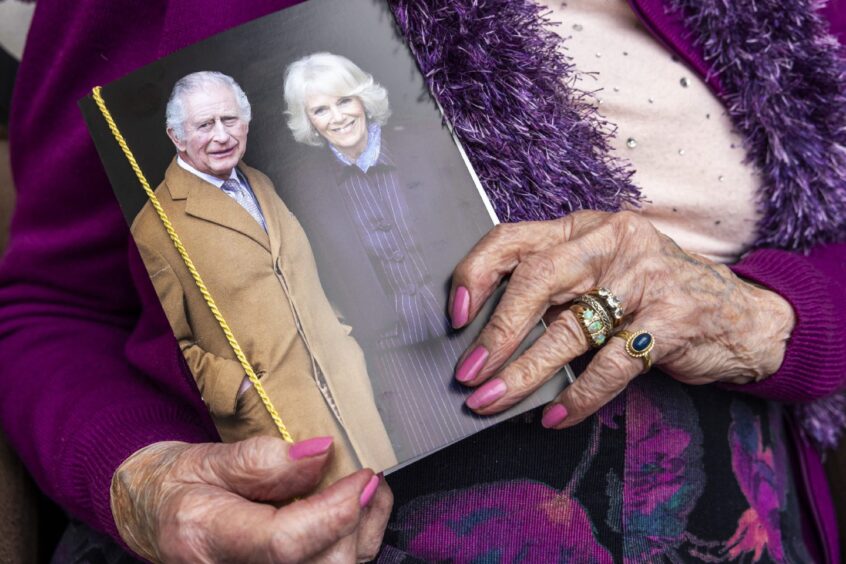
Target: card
{"x":306,"y":208}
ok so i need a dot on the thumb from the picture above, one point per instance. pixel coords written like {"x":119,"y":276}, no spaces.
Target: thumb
{"x":266,"y":468}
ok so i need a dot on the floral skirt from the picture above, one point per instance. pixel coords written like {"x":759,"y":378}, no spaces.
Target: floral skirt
{"x":665,"y":473}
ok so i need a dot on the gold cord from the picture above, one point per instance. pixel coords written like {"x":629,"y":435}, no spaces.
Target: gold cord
{"x":230,"y":337}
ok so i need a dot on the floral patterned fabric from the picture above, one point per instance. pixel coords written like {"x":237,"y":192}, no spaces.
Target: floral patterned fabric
{"x":665,"y":473}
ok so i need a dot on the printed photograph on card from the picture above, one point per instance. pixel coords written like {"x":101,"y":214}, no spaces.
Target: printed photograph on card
{"x":306,"y":208}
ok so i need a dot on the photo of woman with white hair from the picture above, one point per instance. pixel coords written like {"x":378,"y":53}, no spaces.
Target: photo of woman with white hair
{"x":370,"y":194}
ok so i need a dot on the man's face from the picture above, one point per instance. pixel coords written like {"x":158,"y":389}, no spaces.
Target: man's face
{"x":215,"y":133}
{"x":341,"y":120}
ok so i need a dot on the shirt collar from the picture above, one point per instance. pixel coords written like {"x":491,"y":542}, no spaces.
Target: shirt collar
{"x":213,"y":180}
{"x":370,"y":155}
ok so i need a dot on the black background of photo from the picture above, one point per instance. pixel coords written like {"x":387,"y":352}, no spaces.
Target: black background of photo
{"x":256,"y":55}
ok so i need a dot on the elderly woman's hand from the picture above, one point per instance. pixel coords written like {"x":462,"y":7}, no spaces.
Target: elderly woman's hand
{"x":708,"y":325}
{"x":175,"y":502}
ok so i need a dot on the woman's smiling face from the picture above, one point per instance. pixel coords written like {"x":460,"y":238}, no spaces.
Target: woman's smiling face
{"x":340,"y":120}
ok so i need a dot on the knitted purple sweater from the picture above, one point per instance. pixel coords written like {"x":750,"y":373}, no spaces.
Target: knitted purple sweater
{"x":88,"y":365}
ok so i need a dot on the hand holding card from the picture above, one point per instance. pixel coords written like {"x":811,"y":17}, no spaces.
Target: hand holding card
{"x":232,"y":502}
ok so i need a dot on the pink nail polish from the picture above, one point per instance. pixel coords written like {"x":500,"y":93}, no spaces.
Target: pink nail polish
{"x":487,"y":394}
{"x":369,"y":491}
{"x":554,"y":415}
{"x":309,"y":448}
{"x":460,"y":307}
{"x":471,"y":366}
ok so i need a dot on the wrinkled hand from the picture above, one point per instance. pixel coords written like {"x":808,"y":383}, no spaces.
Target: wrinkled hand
{"x":708,"y":324}
{"x":175,"y":502}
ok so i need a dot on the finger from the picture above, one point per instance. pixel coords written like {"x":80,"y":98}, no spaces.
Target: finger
{"x":499,"y":252}
{"x":562,"y":341}
{"x":342,"y":552}
{"x":543,"y":279}
{"x":267,"y":468}
{"x":296,"y":532}
{"x":491,"y":259}
{"x":373,"y":522}
{"x":608,"y":374}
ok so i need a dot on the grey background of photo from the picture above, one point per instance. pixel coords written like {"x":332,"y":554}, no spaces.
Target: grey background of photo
{"x":256,"y":55}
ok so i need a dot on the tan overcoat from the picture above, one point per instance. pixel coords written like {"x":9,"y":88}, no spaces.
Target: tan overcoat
{"x":267,"y":288}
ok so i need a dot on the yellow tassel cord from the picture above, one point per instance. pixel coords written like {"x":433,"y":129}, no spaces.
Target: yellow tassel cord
{"x":236,"y":348}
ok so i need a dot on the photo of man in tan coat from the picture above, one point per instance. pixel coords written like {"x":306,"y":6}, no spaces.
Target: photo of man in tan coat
{"x":257,"y":263}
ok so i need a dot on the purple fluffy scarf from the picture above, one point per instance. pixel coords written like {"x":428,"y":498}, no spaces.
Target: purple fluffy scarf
{"x":541,"y":150}
{"x":536,"y":143}
{"x":784,"y":88}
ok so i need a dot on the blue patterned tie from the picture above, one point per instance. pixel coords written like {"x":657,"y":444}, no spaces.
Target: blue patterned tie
{"x":243,"y":196}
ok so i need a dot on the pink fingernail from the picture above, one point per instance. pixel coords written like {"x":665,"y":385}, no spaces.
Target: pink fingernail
{"x":369,"y":491}
{"x":460,"y":307}
{"x":471,"y":366}
{"x":309,"y":448}
{"x":554,"y":415}
{"x":487,"y":394}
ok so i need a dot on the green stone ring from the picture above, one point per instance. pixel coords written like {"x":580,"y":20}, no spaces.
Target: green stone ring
{"x":594,"y":323}
{"x":639,"y":344}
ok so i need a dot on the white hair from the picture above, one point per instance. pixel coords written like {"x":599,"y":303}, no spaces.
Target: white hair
{"x":332,"y":75}
{"x":175,"y":114}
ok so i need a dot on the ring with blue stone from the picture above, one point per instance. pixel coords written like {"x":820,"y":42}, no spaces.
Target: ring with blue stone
{"x":638,"y":345}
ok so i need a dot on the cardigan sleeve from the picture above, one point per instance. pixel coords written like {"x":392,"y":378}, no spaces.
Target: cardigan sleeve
{"x":89,"y":369}
{"x":73,"y":405}
{"x":814,"y":363}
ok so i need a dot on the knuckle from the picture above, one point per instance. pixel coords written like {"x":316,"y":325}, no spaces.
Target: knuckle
{"x":629,"y":223}
{"x":615,"y":366}
{"x":286,"y":547}
{"x":503,"y":232}
{"x":256,"y":458}
{"x":613,"y":369}
{"x":499,"y":330}
{"x":567,"y":225}
{"x":609,"y":374}
{"x":538,"y":267}
{"x":523,"y":376}
{"x":340,"y":519}
{"x":566,"y":331}
{"x":466,"y":268}
{"x":583,"y":399}
{"x":476,"y":269}
{"x":626,"y":218}
{"x":183,"y":531}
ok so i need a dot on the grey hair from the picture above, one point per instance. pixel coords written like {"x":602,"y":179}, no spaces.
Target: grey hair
{"x":175,"y":114}
{"x":333,"y":75}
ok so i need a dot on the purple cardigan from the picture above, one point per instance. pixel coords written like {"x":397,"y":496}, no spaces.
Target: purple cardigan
{"x":89,"y":367}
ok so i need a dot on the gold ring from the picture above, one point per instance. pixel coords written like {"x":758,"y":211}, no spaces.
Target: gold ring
{"x":638,"y":345}
{"x":594,"y":324}
{"x":591,"y":302}
{"x":612,"y":304}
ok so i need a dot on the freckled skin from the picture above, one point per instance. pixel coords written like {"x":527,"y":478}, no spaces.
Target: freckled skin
{"x":708,"y":324}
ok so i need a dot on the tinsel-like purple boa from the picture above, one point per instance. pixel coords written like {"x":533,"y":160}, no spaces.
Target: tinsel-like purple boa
{"x":541,"y":150}
{"x":535,"y":142}
{"x":783,"y":77}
